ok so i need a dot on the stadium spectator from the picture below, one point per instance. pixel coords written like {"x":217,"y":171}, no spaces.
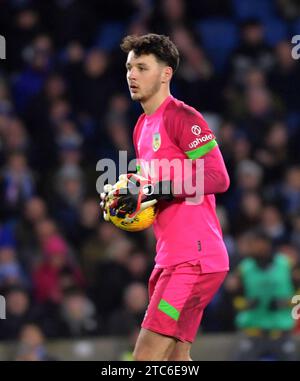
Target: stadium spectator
{"x":31,"y":345}
{"x":77,"y":316}
{"x":55,"y":273}
{"x":126,"y":320}
{"x":263,"y":288}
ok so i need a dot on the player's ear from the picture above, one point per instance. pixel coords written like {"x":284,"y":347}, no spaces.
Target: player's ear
{"x":167,"y":74}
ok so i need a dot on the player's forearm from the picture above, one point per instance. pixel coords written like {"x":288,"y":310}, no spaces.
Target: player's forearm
{"x":213,"y":178}
{"x":216,"y":181}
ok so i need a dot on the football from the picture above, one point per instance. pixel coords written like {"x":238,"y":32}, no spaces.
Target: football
{"x":141,"y":219}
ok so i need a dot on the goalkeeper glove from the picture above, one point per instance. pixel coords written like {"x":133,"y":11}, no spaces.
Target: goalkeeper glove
{"x":138,"y":190}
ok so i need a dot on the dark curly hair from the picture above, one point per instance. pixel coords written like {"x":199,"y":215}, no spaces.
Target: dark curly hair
{"x":157,"y":44}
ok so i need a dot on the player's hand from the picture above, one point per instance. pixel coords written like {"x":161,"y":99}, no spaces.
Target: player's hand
{"x":140,"y":190}
{"x":130,"y":197}
{"x":124,"y":200}
{"x":104,"y":200}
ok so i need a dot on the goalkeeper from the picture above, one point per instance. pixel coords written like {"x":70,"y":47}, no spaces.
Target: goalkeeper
{"x":191,"y":260}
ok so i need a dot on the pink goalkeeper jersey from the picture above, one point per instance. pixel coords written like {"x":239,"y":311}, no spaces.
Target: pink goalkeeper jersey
{"x":184,"y":232}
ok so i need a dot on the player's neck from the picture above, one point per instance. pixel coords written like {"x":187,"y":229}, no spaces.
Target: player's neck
{"x":152,"y":104}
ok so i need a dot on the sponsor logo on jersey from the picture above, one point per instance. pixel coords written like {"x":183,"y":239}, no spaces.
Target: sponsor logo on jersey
{"x":198,"y":141}
{"x":156,"y":141}
{"x":196,"y":130}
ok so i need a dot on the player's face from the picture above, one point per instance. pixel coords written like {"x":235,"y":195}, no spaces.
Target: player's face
{"x":144,"y":76}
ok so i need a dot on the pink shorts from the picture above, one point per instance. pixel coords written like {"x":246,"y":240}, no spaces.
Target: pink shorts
{"x":178,"y":296}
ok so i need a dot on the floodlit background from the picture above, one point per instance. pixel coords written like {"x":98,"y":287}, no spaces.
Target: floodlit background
{"x":75,"y":287}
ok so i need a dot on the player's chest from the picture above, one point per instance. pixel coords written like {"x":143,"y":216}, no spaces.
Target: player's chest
{"x":153,"y":141}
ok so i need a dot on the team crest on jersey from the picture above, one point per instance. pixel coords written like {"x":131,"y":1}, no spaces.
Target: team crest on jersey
{"x":156,"y":141}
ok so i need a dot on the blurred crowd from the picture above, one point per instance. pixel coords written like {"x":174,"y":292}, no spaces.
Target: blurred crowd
{"x":64,"y":105}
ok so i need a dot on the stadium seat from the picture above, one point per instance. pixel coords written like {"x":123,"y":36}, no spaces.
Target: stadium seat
{"x":275,"y":31}
{"x":110,"y":35}
{"x":219,"y":38}
{"x":258,"y":9}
